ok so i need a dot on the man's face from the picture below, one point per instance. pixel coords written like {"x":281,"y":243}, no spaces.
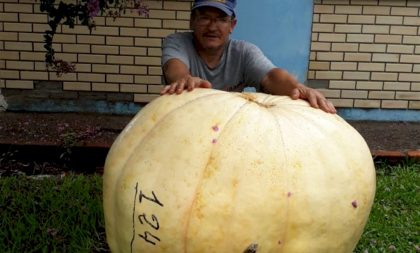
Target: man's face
{"x":211,"y":27}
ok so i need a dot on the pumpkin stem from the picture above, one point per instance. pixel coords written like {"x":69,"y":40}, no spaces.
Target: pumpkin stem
{"x":252,"y":98}
{"x":252,"y":248}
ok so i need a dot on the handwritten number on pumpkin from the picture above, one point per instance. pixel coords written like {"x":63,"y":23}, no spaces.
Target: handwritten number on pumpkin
{"x":145,"y":219}
{"x":154,"y":223}
{"x":153,"y":199}
{"x":146,"y":235}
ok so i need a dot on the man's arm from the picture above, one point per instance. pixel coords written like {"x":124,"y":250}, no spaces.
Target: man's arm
{"x":178,"y":78}
{"x":280,"y":82}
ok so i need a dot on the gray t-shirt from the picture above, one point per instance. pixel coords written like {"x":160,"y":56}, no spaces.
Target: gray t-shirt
{"x":242,"y":64}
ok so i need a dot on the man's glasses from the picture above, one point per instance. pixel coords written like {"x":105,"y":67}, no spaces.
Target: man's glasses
{"x":219,"y":21}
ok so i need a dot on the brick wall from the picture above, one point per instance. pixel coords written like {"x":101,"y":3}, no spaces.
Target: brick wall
{"x":119,"y":56}
{"x":366,"y":53}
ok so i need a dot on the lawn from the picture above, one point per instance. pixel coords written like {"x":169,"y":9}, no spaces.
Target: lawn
{"x":65,"y":214}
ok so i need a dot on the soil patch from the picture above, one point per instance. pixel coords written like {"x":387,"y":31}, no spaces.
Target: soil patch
{"x":102,"y":129}
{"x":57,"y":134}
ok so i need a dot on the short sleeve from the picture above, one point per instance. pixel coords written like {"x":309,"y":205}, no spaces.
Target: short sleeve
{"x":175,"y":46}
{"x":257,"y":65}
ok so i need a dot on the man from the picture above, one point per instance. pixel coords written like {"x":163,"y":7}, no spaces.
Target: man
{"x":208,"y":58}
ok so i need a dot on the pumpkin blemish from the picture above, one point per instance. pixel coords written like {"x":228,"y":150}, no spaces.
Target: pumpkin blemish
{"x":289,"y":194}
{"x":251,"y":248}
{"x":214,"y":141}
{"x":215,"y":128}
{"x":354,"y":204}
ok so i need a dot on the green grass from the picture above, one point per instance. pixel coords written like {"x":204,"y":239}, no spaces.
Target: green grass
{"x":394,"y":223}
{"x":51,"y":215}
{"x":65,"y":214}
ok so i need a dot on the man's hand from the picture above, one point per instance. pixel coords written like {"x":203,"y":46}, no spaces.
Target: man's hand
{"x":186,"y":83}
{"x":177,"y":75}
{"x":279,"y":82}
{"x":314,"y":97}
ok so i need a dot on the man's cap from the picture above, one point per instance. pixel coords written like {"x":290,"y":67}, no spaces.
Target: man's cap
{"x":227,"y":6}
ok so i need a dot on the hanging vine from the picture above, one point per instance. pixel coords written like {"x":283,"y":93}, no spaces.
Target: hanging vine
{"x":85,"y":11}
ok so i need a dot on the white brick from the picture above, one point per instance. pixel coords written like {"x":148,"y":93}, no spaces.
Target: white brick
{"x":317,"y":27}
{"x":392,"y":2}
{"x":348,"y":28}
{"x":408,"y":77}
{"x":369,"y":85}
{"x":329,"y":56}
{"x":354,"y":94}
{"x":361,"y":19}
{"x":405,"y":30}
{"x":415,"y":86}
{"x":411,"y":40}
{"x":408,"y":95}
{"x":343,"y":66}
{"x":364,"y":2}
{"x":403,"y":49}
{"x":332,"y":37}
{"x":345,"y":47}
{"x":316,"y":65}
{"x":381,"y":94}
{"x":414,"y":3}
{"x":411,"y":21}
{"x":385,"y":57}
{"x":341,"y":84}
{"x":383,"y":38}
{"x":383,"y":29}
{"x":394,"y":104}
{"x":364,"y":103}
{"x":360,"y":38}
{"x":322,"y":8}
{"x":384,"y":76}
{"x":377,"y":10}
{"x":328,"y":75}
{"x":364,"y":57}
{"x":320,"y":46}
{"x":389,"y":20}
{"x":397,"y":86}
{"x":342,"y":102}
{"x":416,"y":68}
{"x":396,"y":67}
{"x":404,"y":11}
{"x":333,"y":18}
{"x":315,"y":18}
{"x":410,"y":58}
{"x":381,"y":48}
{"x":415,"y":105}
{"x":348,"y":9}
{"x":371,"y":66}
{"x":330,"y":93}
{"x":356,"y":75}
{"x":19,"y":84}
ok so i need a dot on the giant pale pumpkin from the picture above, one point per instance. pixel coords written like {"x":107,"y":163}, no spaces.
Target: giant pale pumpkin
{"x":212,"y":171}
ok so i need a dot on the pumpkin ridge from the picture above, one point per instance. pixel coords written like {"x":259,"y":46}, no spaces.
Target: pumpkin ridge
{"x":253,"y":247}
{"x":123,"y":137}
{"x":140,"y":142}
{"x":199,"y":185}
{"x":286,"y":159}
{"x":315,"y":126}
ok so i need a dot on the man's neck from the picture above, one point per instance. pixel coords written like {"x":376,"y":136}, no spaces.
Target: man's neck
{"x":211,"y":57}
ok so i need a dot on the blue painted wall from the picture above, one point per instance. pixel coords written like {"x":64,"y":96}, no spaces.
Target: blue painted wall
{"x":281,"y":28}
